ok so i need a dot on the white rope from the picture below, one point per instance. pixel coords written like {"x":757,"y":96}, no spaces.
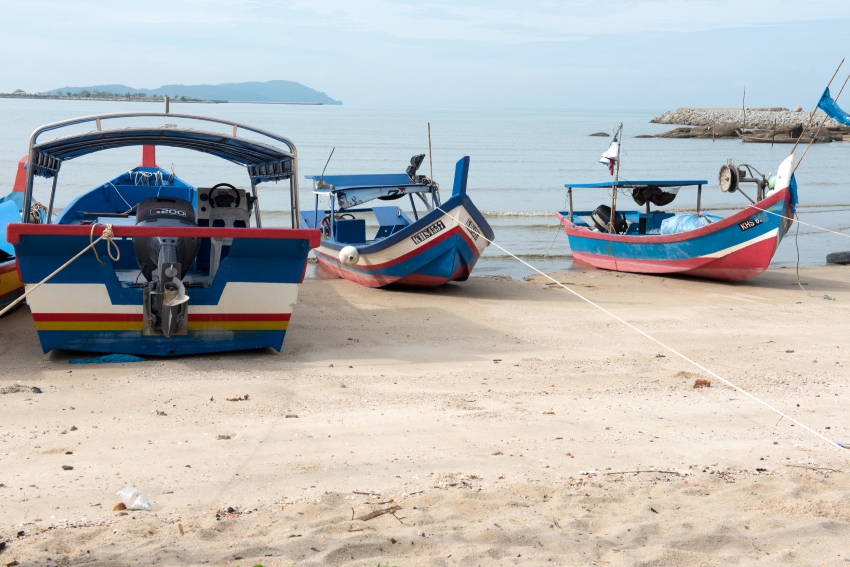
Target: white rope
{"x":653,"y":339}
{"x":107,"y":234}
{"x":799,"y":221}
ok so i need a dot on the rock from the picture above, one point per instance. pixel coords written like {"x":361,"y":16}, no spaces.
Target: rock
{"x":798,"y":109}
{"x":36,"y":390}
{"x":67,"y":468}
{"x":675,"y":133}
{"x":223,"y":437}
{"x":842,"y":258}
{"x":601,"y":135}
{"x":645,"y":136}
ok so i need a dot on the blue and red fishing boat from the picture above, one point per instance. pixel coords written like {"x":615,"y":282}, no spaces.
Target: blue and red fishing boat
{"x":734,"y":248}
{"x":183,"y":269}
{"x":11,"y":209}
{"x":440,"y":245}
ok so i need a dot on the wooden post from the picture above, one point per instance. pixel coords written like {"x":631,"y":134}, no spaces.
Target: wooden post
{"x":773,"y":139}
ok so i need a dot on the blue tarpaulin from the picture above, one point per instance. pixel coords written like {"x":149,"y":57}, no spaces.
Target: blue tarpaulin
{"x":686,"y":222}
{"x":107,"y":359}
{"x":832,"y":109}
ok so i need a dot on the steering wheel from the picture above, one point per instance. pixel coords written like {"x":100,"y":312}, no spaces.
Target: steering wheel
{"x":230,"y":200}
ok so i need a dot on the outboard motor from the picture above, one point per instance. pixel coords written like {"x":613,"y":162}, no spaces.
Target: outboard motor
{"x":164,"y":262}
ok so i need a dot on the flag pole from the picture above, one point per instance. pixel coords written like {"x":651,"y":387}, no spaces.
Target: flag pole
{"x":815,"y":110}
{"x":612,"y":228}
{"x":825,"y":118}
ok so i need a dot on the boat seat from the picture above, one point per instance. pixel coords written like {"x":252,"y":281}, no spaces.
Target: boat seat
{"x":390,"y":220}
{"x":350,"y":231}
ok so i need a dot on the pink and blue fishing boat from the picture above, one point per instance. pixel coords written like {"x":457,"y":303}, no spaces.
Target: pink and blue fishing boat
{"x":734,"y":248}
{"x":189,"y":269}
{"x":438,"y":245}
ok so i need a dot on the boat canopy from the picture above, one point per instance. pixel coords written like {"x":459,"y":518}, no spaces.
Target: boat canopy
{"x":263,"y":160}
{"x":353,"y":190}
{"x":635,"y":184}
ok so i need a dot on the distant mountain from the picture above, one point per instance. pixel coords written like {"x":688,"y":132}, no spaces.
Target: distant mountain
{"x":269,"y":91}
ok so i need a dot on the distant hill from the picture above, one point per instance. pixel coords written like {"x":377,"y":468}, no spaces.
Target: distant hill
{"x":269,"y":91}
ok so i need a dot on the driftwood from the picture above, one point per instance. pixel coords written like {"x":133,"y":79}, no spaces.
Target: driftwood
{"x":652,"y":471}
{"x":376,"y":513}
{"x":813,"y":468}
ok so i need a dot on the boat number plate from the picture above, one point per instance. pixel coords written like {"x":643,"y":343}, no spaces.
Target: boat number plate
{"x":473,"y":230}
{"x":749,"y":223}
{"x":427,"y":233}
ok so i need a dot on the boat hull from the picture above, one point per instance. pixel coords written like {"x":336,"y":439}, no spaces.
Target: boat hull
{"x":88,"y":307}
{"x":438,"y":248}
{"x":11,"y":287}
{"x":737,"y":248}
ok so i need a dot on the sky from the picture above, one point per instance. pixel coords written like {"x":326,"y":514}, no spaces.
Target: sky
{"x":576,"y":54}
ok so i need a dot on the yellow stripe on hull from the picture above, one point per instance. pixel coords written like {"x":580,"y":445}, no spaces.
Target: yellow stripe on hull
{"x":238,"y":325}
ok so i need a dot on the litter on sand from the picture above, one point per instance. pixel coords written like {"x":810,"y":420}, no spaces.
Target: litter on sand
{"x":107,"y":359}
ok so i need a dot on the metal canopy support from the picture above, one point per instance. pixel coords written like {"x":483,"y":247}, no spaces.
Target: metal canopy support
{"x":52,"y":195}
{"x":570,"y":195}
{"x":699,"y":197}
{"x":257,"y":217}
{"x":294,"y":198}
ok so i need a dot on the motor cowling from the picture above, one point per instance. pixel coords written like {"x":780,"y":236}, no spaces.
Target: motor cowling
{"x":164,"y":261}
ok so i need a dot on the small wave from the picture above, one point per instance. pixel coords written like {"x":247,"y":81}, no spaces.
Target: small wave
{"x":535,"y":256}
{"x":507,"y":214}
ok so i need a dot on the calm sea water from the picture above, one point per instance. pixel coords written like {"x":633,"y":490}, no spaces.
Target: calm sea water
{"x":520,"y":160}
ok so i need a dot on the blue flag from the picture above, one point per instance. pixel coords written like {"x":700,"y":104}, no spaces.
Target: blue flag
{"x":832,"y":109}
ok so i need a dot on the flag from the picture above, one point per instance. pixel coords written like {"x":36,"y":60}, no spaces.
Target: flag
{"x":609,"y":158}
{"x":832,"y":109}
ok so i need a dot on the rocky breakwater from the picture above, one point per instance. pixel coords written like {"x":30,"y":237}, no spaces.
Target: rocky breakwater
{"x":755,"y":123}
{"x":754,"y":117}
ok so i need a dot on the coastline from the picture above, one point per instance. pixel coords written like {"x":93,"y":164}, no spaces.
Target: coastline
{"x":503,"y":417}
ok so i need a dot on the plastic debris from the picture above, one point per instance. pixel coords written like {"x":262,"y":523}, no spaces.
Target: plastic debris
{"x":135,"y":498}
{"x":36,"y":390}
{"x":107,"y":359}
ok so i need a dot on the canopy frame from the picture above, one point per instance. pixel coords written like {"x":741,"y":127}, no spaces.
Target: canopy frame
{"x":263,"y":161}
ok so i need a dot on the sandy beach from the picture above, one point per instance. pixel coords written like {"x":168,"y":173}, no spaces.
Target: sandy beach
{"x":490,"y":422}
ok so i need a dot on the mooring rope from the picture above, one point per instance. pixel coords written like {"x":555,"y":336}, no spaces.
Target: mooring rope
{"x":107,"y":235}
{"x":656,"y":341}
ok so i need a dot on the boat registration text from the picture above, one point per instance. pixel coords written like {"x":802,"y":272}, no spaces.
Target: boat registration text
{"x":428,"y":232}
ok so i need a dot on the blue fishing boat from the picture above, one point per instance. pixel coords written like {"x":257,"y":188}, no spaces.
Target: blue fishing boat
{"x":440,"y":245}
{"x":183,"y":269}
{"x":11,"y":209}
{"x":734,"y":248}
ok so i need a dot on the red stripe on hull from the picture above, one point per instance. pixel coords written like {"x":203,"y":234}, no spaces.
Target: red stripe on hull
{"x":133,"y":317}
{"x":736,"y":266}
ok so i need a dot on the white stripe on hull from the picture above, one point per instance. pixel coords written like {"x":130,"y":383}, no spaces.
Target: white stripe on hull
{"x":237,"y":297}
{"x":407,"y":245}
{"x":727,"y":251}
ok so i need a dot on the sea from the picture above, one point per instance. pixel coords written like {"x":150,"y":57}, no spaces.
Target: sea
{"x":520,"y":161}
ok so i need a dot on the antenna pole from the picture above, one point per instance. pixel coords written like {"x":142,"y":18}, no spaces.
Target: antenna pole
{"x":811,"y":117}
{"x":430,"y":157}
{"x":613,"y":228}
{"x":326,"y":164}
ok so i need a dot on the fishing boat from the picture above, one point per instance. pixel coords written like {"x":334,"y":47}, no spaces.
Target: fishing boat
{"x":11,"y":209}
{"x":181,"y":269}
{"x":734,"y":248}
{"x":440,"y":245}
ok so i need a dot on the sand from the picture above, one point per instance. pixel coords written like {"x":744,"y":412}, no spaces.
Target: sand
{"x":501,"y":422}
